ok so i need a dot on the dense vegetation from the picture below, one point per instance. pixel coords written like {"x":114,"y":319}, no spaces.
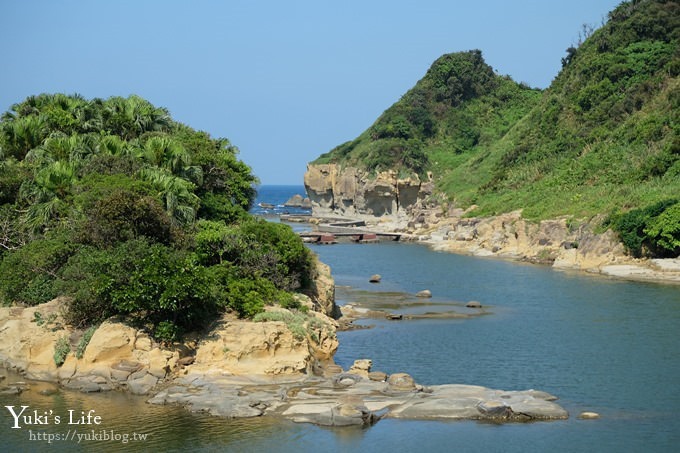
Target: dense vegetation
{"x":460,"y":105}
{"x":127,"y":212}
{"x":602,"y":139}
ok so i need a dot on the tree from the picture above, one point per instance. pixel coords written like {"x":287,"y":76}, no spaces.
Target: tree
{"x":46,"y":193}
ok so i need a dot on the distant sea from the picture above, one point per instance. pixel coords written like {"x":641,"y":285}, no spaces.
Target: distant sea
{"x":276,"y":196}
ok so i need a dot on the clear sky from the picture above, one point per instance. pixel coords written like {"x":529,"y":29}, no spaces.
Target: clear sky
{"x":285,"y":81}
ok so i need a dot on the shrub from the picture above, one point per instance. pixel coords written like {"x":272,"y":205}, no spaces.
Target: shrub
{"x":84,"y":341}
{"x":267,"y":250}
{"x":653,"y":230}
{"x":167,"y":331}
{"x":664,"y":231}
{"x":27,"y":274}
{"x":61,"y":350}
{"x":249,"y":296}
{"x":300,"y":324}
{"x":147,"y":282}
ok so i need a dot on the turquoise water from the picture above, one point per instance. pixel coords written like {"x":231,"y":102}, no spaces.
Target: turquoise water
{"x":599,"y":344}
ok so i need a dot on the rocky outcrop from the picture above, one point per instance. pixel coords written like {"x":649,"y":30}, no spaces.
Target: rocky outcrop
{"x":350,"y":191}
{"x":352,"y":398}
{"x":271,"y":348}
{"x":563,"y":243}
{"x":116,"y":357}
{"x":120,"y":357}
{"x":297,"y":201}
{"x":557,"y":242}
{"x":322,"y":291}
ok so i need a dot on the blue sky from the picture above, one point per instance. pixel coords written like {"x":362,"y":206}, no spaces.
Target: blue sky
{"x":284,"y":81}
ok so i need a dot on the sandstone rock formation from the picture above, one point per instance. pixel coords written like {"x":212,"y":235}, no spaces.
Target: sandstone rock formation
{"x":120,"y":357}
{"x":116,"y":357}
{"x":352,"y":192}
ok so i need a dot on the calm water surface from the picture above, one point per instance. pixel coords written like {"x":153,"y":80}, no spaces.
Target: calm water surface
{"x":599,"y":344}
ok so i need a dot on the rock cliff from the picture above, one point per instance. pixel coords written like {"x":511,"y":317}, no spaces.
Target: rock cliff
{"x":350,"y":191}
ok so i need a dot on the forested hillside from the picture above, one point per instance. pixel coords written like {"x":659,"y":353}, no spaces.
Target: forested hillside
{"x":127,"y":212}
{"x":602,"y":140}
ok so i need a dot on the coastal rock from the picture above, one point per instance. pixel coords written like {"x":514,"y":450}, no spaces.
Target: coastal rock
{"x":142,"y":385}
{"x":112,"y":341}
{"x":587,"y":415}
{"x":474,"y":304}
{"x":361,"y":367}
{"x":244,"y":347}
{"x":378,"y":376}
{"x":350,"y":191}
{"x":322,"y":290}
{"x":375,"y":278}
{"x":28,"y":345}
{"x":426,"y":293}
{"x":401,"y":382}
{"x":294,"y":202}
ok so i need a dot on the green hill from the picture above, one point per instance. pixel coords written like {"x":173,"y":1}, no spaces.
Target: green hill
{"x":602,"y":139}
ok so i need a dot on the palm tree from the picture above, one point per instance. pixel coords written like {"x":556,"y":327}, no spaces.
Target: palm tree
{"x":176,"y":193}
{"x":165,"y":152}
{"x":45,"y":194}
{"x":74,"y":149}
{"x":20,"y":135}
{"x":133,"y":116}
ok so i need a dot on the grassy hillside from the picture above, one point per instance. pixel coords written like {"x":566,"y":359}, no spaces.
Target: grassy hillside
{"x":460,"y":106}
{"x":602,"y":139}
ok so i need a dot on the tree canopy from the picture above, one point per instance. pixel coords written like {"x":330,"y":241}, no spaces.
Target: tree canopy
{"x":120,"y":208}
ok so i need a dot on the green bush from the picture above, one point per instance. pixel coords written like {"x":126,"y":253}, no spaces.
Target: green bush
{"x":248,"y":297}
{"x":300,"y":324}
{"x":84,"y":341}
{"x":61,"y":350}
{"x":664,"y":231}
{"x":144,"y":281}
{"x":167,"y":331}
{"x":27,"y":274}
{"x":268,"y":250}
{"x":653,"y":230}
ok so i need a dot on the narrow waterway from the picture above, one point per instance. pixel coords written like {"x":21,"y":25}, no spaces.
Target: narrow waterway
{"x":599,"y":344}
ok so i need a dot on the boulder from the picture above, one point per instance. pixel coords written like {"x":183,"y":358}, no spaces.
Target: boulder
{"x":344,"y":380}
{"x":361,"y":367}
{"x":378,"y":376}
{"x":294,"y":202}
{"x":426,"y":293}
{"x":494,"y":409}
{"x":143,"y":385}
{"x":350,"y":413}
{"x":401,"y":382}
{"x":112,"y":341}
{"x":587,"y":415}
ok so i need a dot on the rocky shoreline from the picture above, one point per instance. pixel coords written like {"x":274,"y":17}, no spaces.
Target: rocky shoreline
{"x":247,"y":369}
{"x":391,"y":203}
{"x":555,"y":243}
